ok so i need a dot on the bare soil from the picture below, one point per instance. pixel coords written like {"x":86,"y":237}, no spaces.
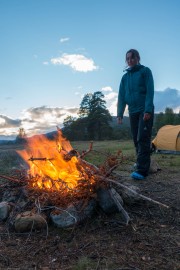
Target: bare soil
{"x":151,"y":241}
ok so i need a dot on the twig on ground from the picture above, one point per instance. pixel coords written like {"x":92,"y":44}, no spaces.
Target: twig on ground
{"x":133,"y":191}
{"x":22,"y":246}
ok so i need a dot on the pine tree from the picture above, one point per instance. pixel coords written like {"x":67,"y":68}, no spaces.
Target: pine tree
{"x":99,"y":118}
{"x":93,"y":122}
{"x":84,"y":109}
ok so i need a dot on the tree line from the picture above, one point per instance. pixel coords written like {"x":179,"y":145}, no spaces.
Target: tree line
{"x":94,"y":121}
{"x":166,"y":118}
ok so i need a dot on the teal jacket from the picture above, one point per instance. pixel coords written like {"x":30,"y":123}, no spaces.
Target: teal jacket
{"x":136,"y":90}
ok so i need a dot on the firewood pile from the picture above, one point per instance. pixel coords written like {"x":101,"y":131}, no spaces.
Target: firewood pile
{"x":31,"y":199}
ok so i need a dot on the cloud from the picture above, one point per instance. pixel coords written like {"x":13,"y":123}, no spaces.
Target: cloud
{"x":162,"y":99}
{"x":44,"y":119}
{"x":77,"y":62}
{"x":111,"y":96}
{"x":168,"y":98}
{"x":36,"y":120}
{"x":46,"y":63}
{"x":9,"y":126}
{"x":62,"y":40}
{"x":107,"y":89}
{"x":6,"y":122}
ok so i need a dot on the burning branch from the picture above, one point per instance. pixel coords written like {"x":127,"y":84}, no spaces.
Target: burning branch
{"x":43,"y":159}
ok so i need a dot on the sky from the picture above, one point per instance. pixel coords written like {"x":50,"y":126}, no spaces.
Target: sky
{"x":53,"y":52}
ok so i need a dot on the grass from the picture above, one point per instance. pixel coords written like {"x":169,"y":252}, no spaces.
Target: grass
{"x":84,"y":263}
{"x":102,"y":149}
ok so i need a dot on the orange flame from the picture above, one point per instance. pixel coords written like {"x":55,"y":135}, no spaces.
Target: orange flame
{"x":49,"y":165}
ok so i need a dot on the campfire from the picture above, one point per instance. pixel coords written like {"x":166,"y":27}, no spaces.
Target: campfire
{"x":55,"y":165}
{"x":62,"y":187}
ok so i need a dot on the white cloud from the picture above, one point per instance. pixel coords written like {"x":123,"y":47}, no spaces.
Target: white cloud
{"x":36,"y":120}
{"x":111,"y":99}
{"x":111,"y":96}
{"x":77,"y":62}
{"x":62,"y":40}
{"x":107,"y":89}
{"x":45,"y":63}
{"x":2,"y":121}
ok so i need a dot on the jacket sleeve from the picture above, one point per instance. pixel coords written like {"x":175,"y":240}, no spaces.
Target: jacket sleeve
{"x":149,"y":105}
{"x":121,"y":105}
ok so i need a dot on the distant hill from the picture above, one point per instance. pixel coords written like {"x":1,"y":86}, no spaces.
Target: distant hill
{"x":7,"y":142}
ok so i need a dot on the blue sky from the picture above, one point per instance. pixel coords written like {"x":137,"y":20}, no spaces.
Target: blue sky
{"x":52,"y":52}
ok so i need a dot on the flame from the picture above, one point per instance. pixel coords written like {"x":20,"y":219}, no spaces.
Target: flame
{"x":49,"y":166}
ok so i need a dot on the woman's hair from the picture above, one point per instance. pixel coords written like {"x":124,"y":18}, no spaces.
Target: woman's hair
{"x":135,"y":53}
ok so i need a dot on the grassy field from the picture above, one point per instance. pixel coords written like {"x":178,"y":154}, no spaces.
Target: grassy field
{"x":101,"y":150}
{"x":105,"y":148}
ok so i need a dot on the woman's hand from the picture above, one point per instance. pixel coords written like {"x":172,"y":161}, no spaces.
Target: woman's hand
{"x":147,"y":116}
{"x":119,"y":120}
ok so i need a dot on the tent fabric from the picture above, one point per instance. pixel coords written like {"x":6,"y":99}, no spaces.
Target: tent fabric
{"x":168,"y":138}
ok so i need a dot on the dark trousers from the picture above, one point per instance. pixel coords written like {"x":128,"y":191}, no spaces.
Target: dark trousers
{"x":141,"y":132}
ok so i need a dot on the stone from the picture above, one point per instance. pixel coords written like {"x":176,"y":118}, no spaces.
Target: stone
{"x":106,"y":201}
{"x":73,"y":214}
{"x":154,"y":167}
{"x":4,"y":210}
{"x":128,"y":196}
{"x":28,"y":221}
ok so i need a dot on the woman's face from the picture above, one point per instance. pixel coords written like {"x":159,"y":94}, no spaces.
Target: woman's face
{"x":131,"y":60}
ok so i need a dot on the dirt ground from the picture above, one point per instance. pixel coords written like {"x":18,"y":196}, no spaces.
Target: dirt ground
{"x":151,"y":241}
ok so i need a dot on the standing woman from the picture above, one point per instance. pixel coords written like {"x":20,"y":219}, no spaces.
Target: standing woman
{"x":137,"y":91}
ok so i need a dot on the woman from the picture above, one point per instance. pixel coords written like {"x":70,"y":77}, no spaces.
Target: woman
{"x":137,"y":91}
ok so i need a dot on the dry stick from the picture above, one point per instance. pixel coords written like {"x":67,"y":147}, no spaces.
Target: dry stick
{"x":121,"y":209}
{"x":87,"y":151}
{"x":28,"y":235}
{"x":111,"y":169}
{"x":140,"y":195}
{"x":11,"y":179}
{"x":89,"y":165}
{"x":37,"y":203}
